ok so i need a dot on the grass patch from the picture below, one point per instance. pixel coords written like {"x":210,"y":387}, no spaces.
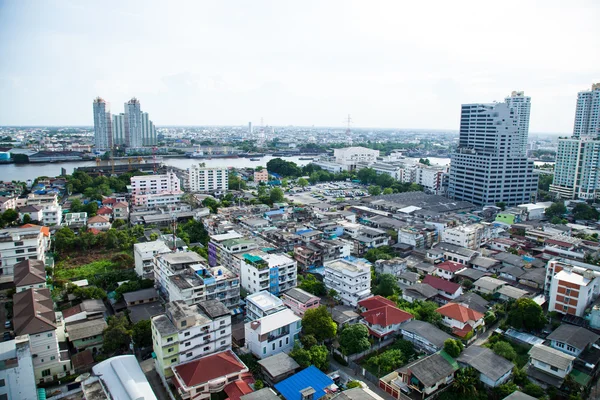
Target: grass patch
{"x":86,"y":271}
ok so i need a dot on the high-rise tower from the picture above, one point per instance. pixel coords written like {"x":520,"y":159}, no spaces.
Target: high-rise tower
{"x":133,"y":124}
{"x":522,"y":106}
{"x":577,"y":168}
{"x":488,"y":167}
{"x":119,"y":129}
{"x":102,"y":125}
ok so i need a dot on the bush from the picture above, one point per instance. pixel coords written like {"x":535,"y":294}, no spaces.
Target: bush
{"x":505,"y":350}
{"x":533,"y":390}
{"x":353,"y":384}
{"x":452,"y":347}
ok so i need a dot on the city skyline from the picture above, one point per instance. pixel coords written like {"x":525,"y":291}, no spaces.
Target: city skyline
{"x":212,"y":65}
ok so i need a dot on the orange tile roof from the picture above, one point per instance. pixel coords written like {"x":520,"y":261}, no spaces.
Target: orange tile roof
{"x":376,"y":302}
{"x":45,"y":230}
{"x":450,"y":266}
{"x":459,"y":313}
{"x":386,"y":316}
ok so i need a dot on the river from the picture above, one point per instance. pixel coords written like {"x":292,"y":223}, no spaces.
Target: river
{"x":23,"y":172}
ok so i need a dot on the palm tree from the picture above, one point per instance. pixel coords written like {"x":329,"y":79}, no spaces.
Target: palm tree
{"x":465,"y":382}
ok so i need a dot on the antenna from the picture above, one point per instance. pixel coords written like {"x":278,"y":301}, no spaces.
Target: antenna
{"x":348,"y":122}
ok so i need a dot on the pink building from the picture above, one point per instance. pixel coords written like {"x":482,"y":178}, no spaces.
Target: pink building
{"x":261,"y":176}
{"x":299,"y":301}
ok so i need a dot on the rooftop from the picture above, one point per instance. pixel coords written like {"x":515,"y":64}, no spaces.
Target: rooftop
{"x":299,"y":295}
{"x":274,"y":321}
{"x":553,"y":357}
{"x":124,"y":379}
{"x":29,"y":272}
{"x":278,"y":364}
{"x":572,"y":277}
{"x":441,"y":284}
{"x":33,"y":312}
{"x":427,"y":331}
{"x":206,"y":369}
{"x":485,"y":361}
{"x":575,"y":336}
{"x":347,"y":265}
{"x":139,"y":295}
{"x":430,"y":370}
{"x":459,"y":312}
{"x":85,"y":329}
{"x":265,"y":300}
{"x":291,"y":387}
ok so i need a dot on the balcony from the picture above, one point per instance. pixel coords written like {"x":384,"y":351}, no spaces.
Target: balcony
{"x":274,"y":336}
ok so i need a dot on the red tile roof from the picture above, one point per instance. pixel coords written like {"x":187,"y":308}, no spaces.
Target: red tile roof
{"x":95,"y":231}
{"x":69,"y":312}
{"x":97,"y":219}
{"x":211,"y":367}
{"x":386,"y":316}
{"x":375,"y":302}
{"x":459,"y":312}
{"x":462,"y":332}
{"x":450,"y":266}
{"x":45,"y":230}
{"x":104,"y":211}
{"x":237,"y":389}
{"x":109,"y":200}
{"x":441,"y":284}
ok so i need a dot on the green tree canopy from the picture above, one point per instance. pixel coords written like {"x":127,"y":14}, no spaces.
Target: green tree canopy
{"x":374,"y":190}
{"x":367,"y":175}
{"x":452,"y":347}
{"x":583,"y":211}
{"x":557,"y":209}
{"x":318,"y":322}
{"x":387,"y":285}
{"x":301,"y":356}
{"x":302,"y":182}
{"x":319,"y":357}
{"x":276,"y":195}
{"x":312,"y":285}
{"x":142,"y":334}
{"x":117,"y":335}
{"x":354,"y":339}
{"x":505,"y":350}
{"x":526,"y":314}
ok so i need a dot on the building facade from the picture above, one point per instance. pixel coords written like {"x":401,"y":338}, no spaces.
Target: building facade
{"x":207,"y":179}
{"x":350,"y":277}
{"x":102,"y":125}
{"x":274,"y":273}
{"x":487,"y":166}
{"x":522,"y":106}
{"x":273,"y":334}
{"x":20,"y":244}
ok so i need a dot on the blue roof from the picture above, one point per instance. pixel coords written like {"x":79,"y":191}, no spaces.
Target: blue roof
{"x":274,"y":212}
{"x":290,"y":388}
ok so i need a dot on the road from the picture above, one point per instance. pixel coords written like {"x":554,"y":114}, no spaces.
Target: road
{"x":154,"y":379}
{"x":351,"y":376}
{"x":481,"y":339}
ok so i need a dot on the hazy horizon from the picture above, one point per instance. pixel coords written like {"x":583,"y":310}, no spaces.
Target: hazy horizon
{"x":386,"y":63}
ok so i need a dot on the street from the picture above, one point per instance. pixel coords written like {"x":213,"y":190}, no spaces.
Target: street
{"x":351,"y":376}
{"x":154,"y":380}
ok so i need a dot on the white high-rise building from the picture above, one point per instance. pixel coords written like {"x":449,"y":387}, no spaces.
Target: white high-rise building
{"x":577,"y":169}
{"x":133,"y":124}
{"x":102,"y":125}
{"x":486,"y":168}
{"x":118,"y":127}
{"x":206,"y":179}
{"x":587,"y":113}
{"x":522,"y":106}
{"x":148,"y":131}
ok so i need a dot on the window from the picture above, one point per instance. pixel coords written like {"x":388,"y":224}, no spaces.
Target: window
{"x":169,"y":340}
{"x":2,"y":383}
{"x":46,"y":372}
{"x":554,"y":368}
{"x":173,"y":360}
{"x":52,"y":358}
{"x":287,"y":340}
{"x":189,"y":354}
{"x":171,"y":350}
{"x":223,"y":331}
{"x":186,"y":334}
{"x":264,"y":350}
{"x":206,"y":348}
{"x":183,"y":323}
{"x":273,"y":346}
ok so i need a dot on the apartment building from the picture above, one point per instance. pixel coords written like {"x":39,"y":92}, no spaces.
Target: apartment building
{"x":144,"y":187}
{"x":187,"y":332}
{"x":75,"y":220}
{"x":274,"y":273}
{"x":261,"y":304}
{"x":223,"y":247}
{"x":207,"y":179}
{"x":144,"y":254}
{"x":430,"y":177}
{"x":572,"y":289}
{"x":469,"y":236}
{"x":349,"y":157}
{"x":156,"y":200}
{"x":420,"y":237}
{"x":16,"y":373}
{"x":261,"y":176}
{"x":28,"y":242}
{"x":299,"y":301}
{"x":7,"y":203}
{"x":34,"y":317}
{"x":350,"y":277}
{"x":273,"y":333}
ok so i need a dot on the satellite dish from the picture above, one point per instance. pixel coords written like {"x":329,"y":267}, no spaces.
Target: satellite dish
{"x":82,"y":377}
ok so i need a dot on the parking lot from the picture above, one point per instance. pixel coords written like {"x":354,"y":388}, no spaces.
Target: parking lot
{"x":326,"y":192}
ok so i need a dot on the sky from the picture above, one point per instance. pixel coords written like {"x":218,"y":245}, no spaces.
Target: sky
{"x":389,"y":64}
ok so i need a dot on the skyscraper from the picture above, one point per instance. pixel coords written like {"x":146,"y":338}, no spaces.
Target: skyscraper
{"x":148,"y":130}
{"x":119,"y":130}
{"x":577,"y":168}
{"x":522,"y":106}
{"x":587,"y":113}
{"x":488,"y":167}
{"x":133,"y":124}
{"x":102,"y":125}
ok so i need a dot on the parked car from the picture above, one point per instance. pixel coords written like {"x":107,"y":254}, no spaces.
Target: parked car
{"x":7,"y":324}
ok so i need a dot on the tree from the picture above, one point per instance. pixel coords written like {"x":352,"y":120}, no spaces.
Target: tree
{"x":526,"y":314}
{"x":388,"y":361}
{"x":557,"y":209}
{"x":301,"y":356}
{"x":142,"y":334}
{"x":312,"y":285}
{"x":533,"y":390}
{"x":258,"y":384}
{"x":276,"y":195}
{"x":319,"y":357}
{"x":424,"y":161}
{"x":90,"y":292}
{"x":117,"y":335}
{"x":26,"y":219}
{"x":387,"y":285}
{"x":64,"y":239}
{"x":211,"y":203}
{"x":91,"y":208}
{"x":367,"y":175}
{"x":384,"y":180}
{"x":452,"y":347}
{"x":10,"y":216}
{"x":354,"y":339}
{"x":505,"y":390}
{"x":302,"y":182}
{"x":76,"y":206}
{"x":308,"y":341}
{"x":374,"y":190}
{"x":583,"y":211}
{"x":388,"y":191}
{"x":505,"y":350}
{"x":318,"y":322}
{"x":465,"y":382}
{"x":501,"y":205}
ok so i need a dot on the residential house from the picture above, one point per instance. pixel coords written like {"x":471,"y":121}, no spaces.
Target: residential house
{"x":382,"y":317}
{"x":350,"y":278}
{"x":461,"y":319}
{"x":87,"y":309}
{"x":120,"y":211}
{"x":510,"y":293}
{"x":419,"y":291}
{"x":456,"y":253}
{"x":29,"y":274}
{"x":396,"y":266}
{"x":272,"y":334}
{"x":473,"y":301}
{"x":425,"y":376}
{"x":549,"y":366}
{"x":408,"y":278}
{"x":75,"y":220}
{"x":485,"y":264}
{"x":198,"y":379}
{"x":447,"y":291}
{"x":142,"y":296}
{"x":448,"y":269}
{"x":308,"y":384}
{"x":488,"y":285}
{"x":278,"y":367}
{"x":571,"y":339}
{"x":424,"y":336}
{"x":99,"y":222}
{"x":344,"y":315}
{"x":34,"y":316}
{"x":86,"y":334}
{"x":35,"y":213}
{"x":299,"y":301}
{"x":494,"y":370}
